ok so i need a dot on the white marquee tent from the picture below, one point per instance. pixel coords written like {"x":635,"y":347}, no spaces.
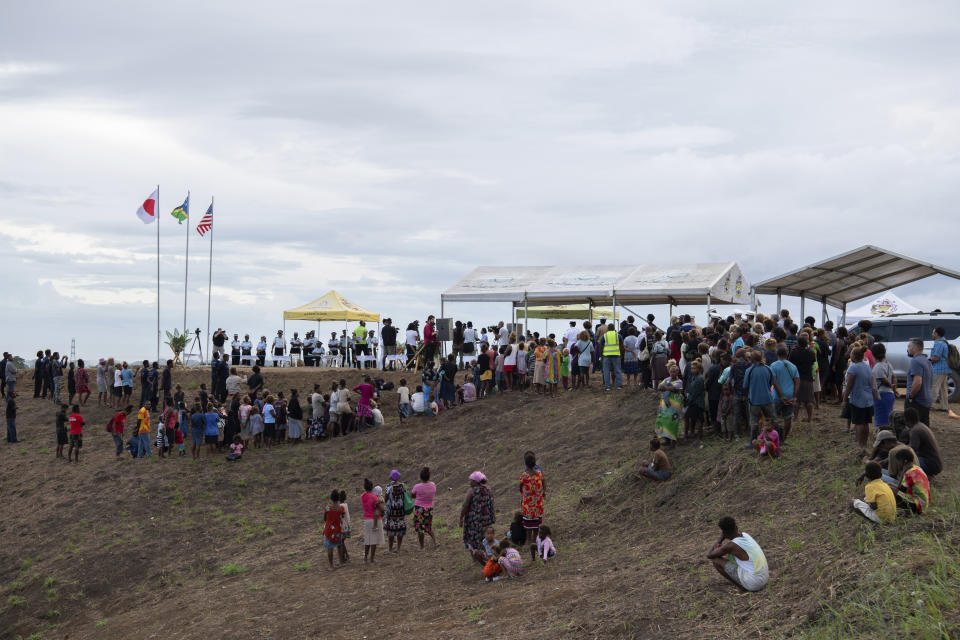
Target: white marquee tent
{"x":639,"y":284}
{"x":884,"y":305}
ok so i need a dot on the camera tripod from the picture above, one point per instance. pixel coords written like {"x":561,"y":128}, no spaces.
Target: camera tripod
{"x":196,"y":343}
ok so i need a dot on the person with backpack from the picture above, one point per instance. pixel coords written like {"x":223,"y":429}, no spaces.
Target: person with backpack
{"x":940,"y":359}
{"x":756,"y":386}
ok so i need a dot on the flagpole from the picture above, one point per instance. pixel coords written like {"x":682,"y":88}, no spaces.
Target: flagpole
{"x":157,"y":220}
{"x":210,"y":281}
{"x":186,"y":269}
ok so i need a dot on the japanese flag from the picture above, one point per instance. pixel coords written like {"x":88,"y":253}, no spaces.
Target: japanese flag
{"x":148,"y":210}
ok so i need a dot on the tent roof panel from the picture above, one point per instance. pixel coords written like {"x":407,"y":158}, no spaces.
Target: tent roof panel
{"x":723,"y":282}
{"x":853,"y":275}
{"x":331,"y":306}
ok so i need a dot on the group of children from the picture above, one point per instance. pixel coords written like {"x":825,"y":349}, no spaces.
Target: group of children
{"x":502,"y":557}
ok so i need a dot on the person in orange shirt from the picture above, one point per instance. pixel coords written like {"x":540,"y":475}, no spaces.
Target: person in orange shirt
{"x":143,"y":433}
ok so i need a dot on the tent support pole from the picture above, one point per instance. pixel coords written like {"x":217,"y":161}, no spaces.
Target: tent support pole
{"x":779,"y":301}
{"x":707,"y":317}
{"x":823,"y":316}
{"x":843,"y":317}
{"x":526,"y":315}
{"x":753,"y":301}
{"x":803,"y":300}
{"x":613,"y":296}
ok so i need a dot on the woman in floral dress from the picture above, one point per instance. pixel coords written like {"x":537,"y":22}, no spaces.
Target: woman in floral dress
{"x":477,"y":511}
{"x":533,"y":488}
{"x":83,"y":384}
{"x":395,"y":522}
{"x":671,"y":403}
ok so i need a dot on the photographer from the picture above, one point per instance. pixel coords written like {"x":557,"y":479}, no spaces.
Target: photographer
{"x":219,"y":339}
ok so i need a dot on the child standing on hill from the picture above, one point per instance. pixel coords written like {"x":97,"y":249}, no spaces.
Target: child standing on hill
{"x":565,"y":369}
{"x":332,"y":533}
{"x":61,"y":430}
{"x":694,"y":401}
{"x":345,"y":523}
{"x":551,"y":367}
{"x":256,"y":426}
{"x":728,"y":426}
{"x":404,"y":410}
{"x":178,"y":440}
{"x":143,"y":433}
{"x":423,"y":494}
{"x":76,"y":433}
{"x":521,"y":372}
{"x":117,"y":425}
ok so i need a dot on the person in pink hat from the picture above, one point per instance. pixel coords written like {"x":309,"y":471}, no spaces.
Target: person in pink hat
{"x":477,"y":511}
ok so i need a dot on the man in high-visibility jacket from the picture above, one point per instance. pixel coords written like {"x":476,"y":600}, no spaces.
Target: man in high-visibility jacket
{"x":611,"y":349}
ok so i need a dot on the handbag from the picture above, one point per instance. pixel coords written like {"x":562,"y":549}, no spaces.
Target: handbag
{"x":407,"y":502}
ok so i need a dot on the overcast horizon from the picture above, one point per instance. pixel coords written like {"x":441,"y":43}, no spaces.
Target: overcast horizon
{"x":384,"y":151}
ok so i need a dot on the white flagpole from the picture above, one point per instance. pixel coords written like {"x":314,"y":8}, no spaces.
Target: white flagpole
{"x":157,"y":216}
{"x":186,"y":269}
{"x":210,"y":282}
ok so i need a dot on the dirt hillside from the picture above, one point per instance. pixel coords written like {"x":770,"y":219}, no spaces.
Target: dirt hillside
{"x":179,"y":549}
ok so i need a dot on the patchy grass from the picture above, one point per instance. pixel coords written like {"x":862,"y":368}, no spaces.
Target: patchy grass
{"x":303,"y":566}
{"x":232,"y":569}
{"x":475,"y":613}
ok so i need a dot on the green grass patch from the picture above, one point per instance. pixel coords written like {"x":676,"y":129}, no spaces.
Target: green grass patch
{"x":896,"y":601}
{"x":101,"y":623}
{"x":16,"y":601}
{"x":303,"y":566}
{"x":232,"y":569}
{"x":475,"y":612}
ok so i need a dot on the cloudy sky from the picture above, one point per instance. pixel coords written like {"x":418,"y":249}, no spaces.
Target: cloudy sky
{"x":385,"y":149}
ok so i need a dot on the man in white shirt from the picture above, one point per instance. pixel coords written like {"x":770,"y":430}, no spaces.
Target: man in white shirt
{"x":296,"y":346}
{"x":501,"y":334}
{"x":279,"y":348}
{"x":246,"y":347}
{"x":571,"y":334}
{"x":235,"y":350}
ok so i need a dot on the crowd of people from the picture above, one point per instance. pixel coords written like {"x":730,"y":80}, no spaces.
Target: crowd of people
{"x":736,"y":377}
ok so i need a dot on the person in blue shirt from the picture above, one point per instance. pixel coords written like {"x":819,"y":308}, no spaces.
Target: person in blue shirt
{"x":756,"y":385}
{"x":211,"y":429}
{"x":939,"y":358}
{"x":919,"y":381}
{"x":859,"y":395}
{"x":788,"y":379}
{"x":198,"y":424}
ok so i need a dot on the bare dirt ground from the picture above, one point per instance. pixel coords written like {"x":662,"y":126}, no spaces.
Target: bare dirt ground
{"x":138,"y":548}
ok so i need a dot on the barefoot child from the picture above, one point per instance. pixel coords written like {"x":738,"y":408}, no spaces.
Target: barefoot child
{"x":545,"y":548}
{"x":489,"y":542}
{"x":423,"y":494}
{"x":332,"y":536}
{"x":510,"y":560}
{"x":61,"y":430}
{"x":565,"y":369}
{"x":76,"y":433}
{"x":768,"y":442}
{"x":236,"y":449}
{"x":345,"y":523}
{"x":404,"y":410}
{"x":660,"y":468}
{"x":491,"y":570}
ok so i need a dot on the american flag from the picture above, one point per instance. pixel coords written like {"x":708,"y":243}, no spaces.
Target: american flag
{"x":206,"y":222}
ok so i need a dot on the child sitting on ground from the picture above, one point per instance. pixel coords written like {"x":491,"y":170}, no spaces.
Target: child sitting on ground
{"x":376,"y":415}
{"x":768,"y":442}
{"x":545,"y":548}
{"x":489,"y":542}
{"x":517,"y":534}
{"x":659,"y":469}
{"x":236,"y":449}
{"x":491,"y":570}
{"x":510,"y":560}
{"x":468,"y":393}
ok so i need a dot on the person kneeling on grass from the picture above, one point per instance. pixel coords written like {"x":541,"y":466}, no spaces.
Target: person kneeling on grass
{"x":740,"y":559}
{"x":878,"y":504}
{"x":659,"y":469}
{"x":491,"y":569}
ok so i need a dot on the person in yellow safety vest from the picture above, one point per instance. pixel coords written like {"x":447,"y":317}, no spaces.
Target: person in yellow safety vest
{"x":611,"y":348}
{"x":360,"y":347}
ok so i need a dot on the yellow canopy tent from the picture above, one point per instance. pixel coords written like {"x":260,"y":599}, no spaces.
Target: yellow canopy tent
{"x":567,"y":312}
{"x":331,"y":308}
